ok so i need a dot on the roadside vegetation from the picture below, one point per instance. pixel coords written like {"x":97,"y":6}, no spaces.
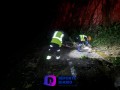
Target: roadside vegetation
{"x":107,"y":39}
{"x":103,"y":38}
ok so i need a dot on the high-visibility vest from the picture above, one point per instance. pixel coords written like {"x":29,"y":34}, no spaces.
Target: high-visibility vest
{"x":82,"y":37}
{"x":57,"y":38}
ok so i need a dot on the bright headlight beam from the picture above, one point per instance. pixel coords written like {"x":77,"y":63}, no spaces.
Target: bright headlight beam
{"x":76,"y":54}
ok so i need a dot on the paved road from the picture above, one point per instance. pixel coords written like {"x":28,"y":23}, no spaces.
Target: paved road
{"x":76,"y":54}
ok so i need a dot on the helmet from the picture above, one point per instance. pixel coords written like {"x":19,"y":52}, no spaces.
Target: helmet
{"x":89,"y":38}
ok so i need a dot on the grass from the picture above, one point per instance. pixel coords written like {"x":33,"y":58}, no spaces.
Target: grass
{"x":103,"y":36}
{"x":115,"y":61}
{"x":106,"y":36}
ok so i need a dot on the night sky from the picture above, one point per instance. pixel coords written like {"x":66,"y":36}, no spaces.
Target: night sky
{"x":27,"y":23}
{"x":25,"y":27}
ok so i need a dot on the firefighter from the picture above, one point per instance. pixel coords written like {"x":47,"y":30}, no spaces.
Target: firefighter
{"x":55,"y":45}
{"x":83,"y":39}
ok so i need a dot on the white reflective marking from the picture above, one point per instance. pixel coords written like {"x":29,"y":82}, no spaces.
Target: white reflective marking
{"x":51,"y":45}
{"x":57,"y":57}
{"x":73,"y":71}
{"x":58,"y":50}
{"x":48,"y":57}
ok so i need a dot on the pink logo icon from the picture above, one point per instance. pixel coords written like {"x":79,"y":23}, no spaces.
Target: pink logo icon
{"x":50,"y":80}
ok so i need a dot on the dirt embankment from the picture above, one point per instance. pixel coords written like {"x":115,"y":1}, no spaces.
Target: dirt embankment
{"x":112,"y":51}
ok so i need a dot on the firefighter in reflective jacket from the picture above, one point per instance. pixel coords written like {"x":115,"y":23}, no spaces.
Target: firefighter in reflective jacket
{"x":83,"y":39}
{"x":55,"y":45}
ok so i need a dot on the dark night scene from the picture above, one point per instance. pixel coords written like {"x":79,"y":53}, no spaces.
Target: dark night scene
{"x":71,"y":44}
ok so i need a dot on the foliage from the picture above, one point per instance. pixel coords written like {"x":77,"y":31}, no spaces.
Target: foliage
{"x":105,"y":36}
{"x":101,"y":35}
{"x":115,"y":60}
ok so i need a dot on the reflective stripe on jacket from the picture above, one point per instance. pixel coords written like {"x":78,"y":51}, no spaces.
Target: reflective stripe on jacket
{"x":57,"y":38}
{"x":82,"y":37}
